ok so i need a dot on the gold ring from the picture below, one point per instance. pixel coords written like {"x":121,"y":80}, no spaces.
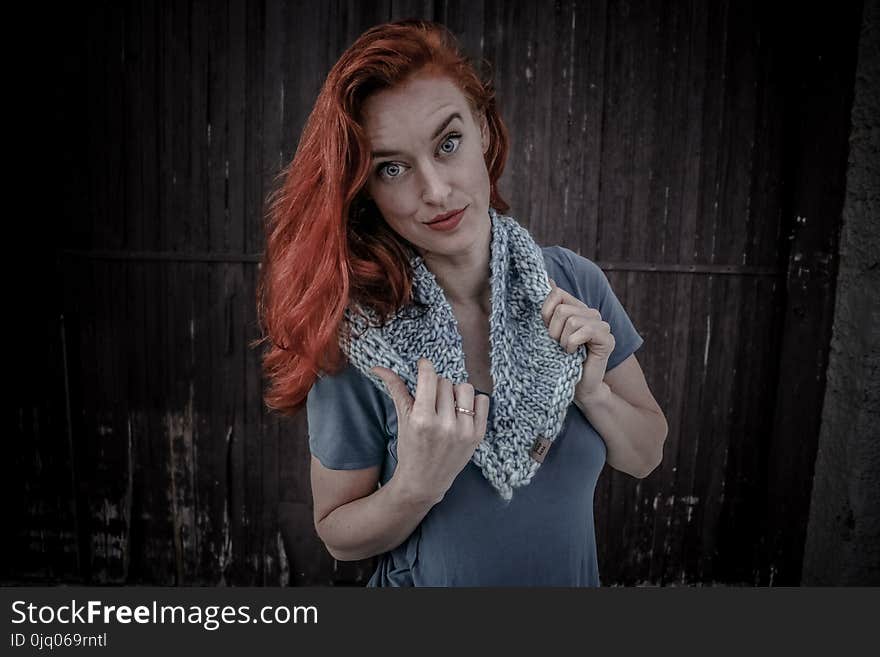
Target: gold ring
{"x":458,"y":409}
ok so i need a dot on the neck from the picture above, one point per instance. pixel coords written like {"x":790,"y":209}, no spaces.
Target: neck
{"x":464,"y":277}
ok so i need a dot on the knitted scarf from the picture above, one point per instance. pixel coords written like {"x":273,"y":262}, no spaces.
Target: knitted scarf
{"x":533,"y":376}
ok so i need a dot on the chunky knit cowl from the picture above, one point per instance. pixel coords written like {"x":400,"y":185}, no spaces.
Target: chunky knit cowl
{"x":533,"y":376}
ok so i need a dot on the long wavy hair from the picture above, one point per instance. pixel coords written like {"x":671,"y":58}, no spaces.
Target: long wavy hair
{"x":327,"y":246}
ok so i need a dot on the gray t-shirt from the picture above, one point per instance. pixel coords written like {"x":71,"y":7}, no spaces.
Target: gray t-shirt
{"x":545,"y":535}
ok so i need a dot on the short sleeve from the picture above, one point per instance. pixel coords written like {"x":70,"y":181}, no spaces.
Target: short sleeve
{"x":588,"y":282}
{"x":346,"y":419}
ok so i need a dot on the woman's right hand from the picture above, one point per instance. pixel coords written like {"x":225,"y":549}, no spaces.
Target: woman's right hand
{"x":434,"y":442}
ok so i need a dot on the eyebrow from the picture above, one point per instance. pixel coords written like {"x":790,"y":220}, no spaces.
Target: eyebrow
{"x":441,"y":128}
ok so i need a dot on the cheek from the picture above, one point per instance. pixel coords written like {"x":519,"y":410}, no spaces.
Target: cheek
{"x":395,"y":201}
{"x":476,"y":175}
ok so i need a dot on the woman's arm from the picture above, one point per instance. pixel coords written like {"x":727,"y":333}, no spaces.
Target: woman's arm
{"x":616,"y":402}
{"x":357,"y":521}
{"x":624,"y":412}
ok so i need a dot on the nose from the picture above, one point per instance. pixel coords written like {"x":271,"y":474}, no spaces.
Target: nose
{"x":435,"y":189}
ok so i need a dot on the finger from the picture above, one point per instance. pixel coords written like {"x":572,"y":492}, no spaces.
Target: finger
{"x":569,"y":298}
{"x":575,"y":323}
{"x":553,"y":299}
{"x":577,"y":338}
{"x":464,"y":398}
{"x":481,"y":417}
{"x":560,"y":316}
{"x":403,"y":401}
{"x":600,"y":342}
{"x":426,"y":387}
{"x":445,"y":399}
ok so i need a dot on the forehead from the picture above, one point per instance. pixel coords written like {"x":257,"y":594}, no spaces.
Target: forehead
{"x":413,"y":108}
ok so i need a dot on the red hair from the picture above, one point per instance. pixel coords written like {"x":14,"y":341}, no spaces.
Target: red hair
{"x":326,"y":244}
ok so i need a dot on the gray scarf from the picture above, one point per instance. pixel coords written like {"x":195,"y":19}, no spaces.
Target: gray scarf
{"x":534,"y":378}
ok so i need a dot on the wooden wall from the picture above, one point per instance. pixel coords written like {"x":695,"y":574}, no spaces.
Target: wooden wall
{"x":696,"y":151}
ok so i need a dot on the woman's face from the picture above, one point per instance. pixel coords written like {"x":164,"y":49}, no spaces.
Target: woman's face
{"x":427,"y":161}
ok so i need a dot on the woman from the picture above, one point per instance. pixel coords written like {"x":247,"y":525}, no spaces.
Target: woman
{"x":438,"y":358}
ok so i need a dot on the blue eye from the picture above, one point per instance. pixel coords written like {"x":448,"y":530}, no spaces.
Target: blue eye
{"x":390,"y":170}
{"x":450,"y":144}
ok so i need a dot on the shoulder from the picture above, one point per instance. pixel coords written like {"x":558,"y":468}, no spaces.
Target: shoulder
{"x":572,"y":271}
{"x":563,"y":258}
{"x":347,"y":420}
{"x":346,"y":389}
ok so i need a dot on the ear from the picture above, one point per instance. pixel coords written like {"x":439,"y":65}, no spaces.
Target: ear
{"x":484,"y":132}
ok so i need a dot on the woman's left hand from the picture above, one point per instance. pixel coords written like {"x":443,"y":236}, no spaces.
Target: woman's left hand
{"x":572,"y":323}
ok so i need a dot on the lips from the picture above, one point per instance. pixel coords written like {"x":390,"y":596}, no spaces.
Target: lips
{"x":444,"y":217}
{"x":448,"y":221}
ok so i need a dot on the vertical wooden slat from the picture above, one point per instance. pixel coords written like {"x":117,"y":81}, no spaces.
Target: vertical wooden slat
{"x":235,"y":174}
{"x":673,"y":357}
{"x":580,"y":212}
{"x":108,"y":157}
{"x":670,"y":153}
{"x":622,"y":44}
{"x":254,"y":173}
{"x":466,"y":20}
{"x":402,"y":9}
{"x":150,"y":537}
{"x":821,"y":80}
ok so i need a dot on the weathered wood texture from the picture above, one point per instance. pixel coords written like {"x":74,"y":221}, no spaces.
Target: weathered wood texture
{"x":675,"y":145}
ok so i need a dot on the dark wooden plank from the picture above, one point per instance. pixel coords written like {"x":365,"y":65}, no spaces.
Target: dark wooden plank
{"x":140,"y":124}
{"x":765,"y":193}
{"x":671,"y":351}
{"x":176,"y":426}
{"x":102,"y":454}
{"x":587,"y":78}
{"x":255,"y":176}
{"x":401,"y":9}
{"x":212,"y":126}
{"x":711,"y":486}
{"x":553,"y":125}
{"x":711,"y":143}
{"x":41,"y":543}
{"x":203,"y":330}
{"x":514,"y":44}
{"x":673,"y":152}
{"x":151,"y":535}
{"x":246,"y":460}
{"x":37,"y":467}
{"x":175,"y":170}
{"x":654,"y":322}
{"x":275,"y":567}
{"x":678,"y":489}
{"x":640,"y":82}
{"x":736,"y":160}
{"x":821,"y":89}
{"x":540,"y":27}
{"x":353,"y":18}
{"x":466,"y":21}
{"x":623,"y":44}
{"x":639,"y":298}
{"x":740,"y":532}
{"x":235,"y":173}
{"x":106,"y":128}
{"x":690,"y":180}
